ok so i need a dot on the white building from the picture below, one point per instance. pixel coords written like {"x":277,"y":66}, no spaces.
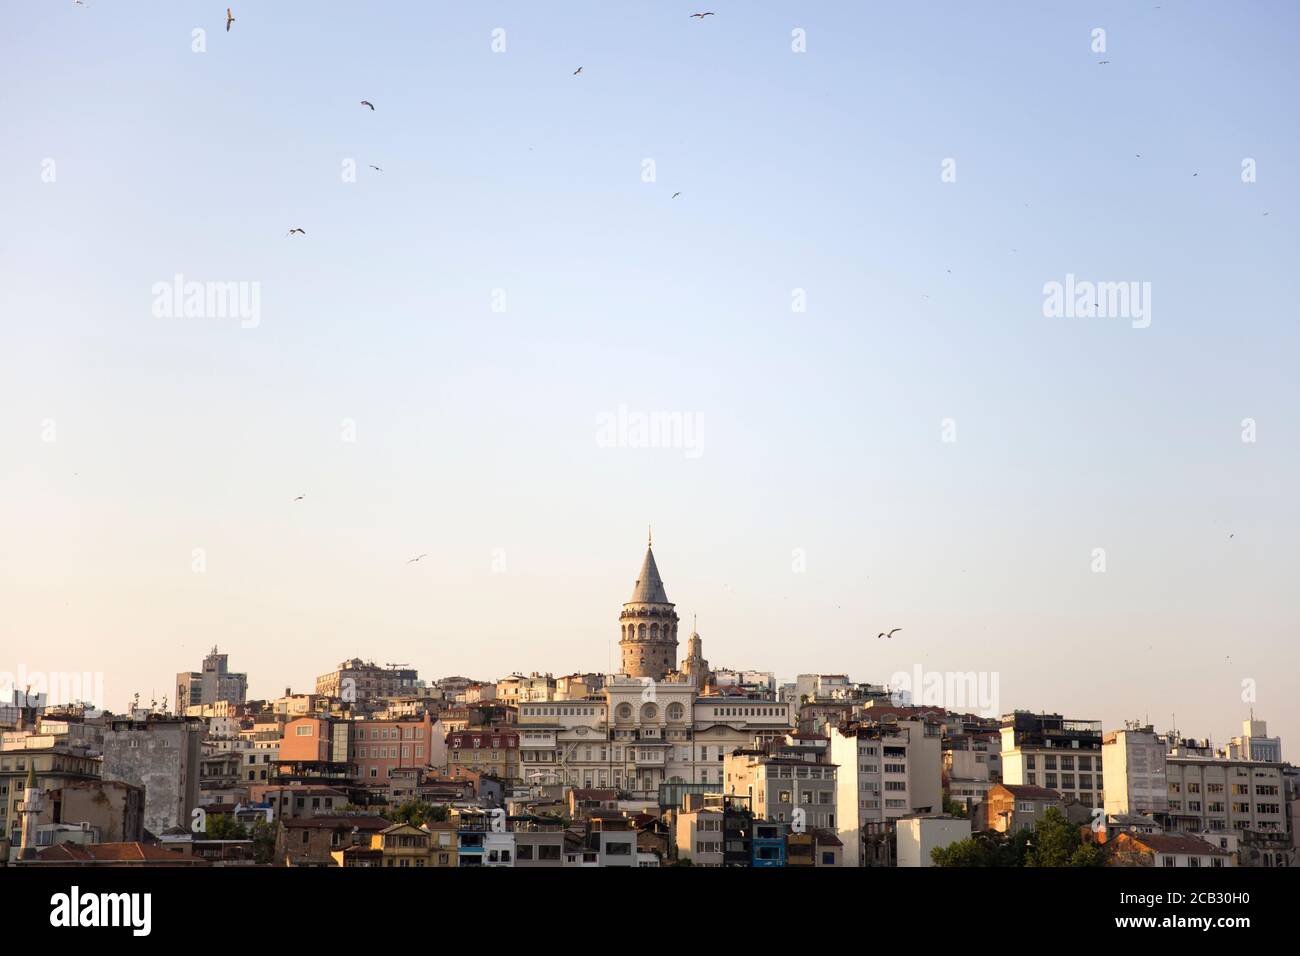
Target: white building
{"x":917,"y":836}
{"x":885,"y":771}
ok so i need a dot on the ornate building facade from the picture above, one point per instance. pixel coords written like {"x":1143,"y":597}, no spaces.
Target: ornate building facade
{"x":653,"y":723}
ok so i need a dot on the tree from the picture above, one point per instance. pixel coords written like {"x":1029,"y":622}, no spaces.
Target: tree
{"x":418,"y":812}
{"x":263,"y":841}
{"x":954,"y":808}
{"x":984,"y":848}
{"x":1057,"y":842}
{"x":222,"y":827}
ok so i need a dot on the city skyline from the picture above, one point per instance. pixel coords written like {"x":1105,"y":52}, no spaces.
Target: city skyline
{"x":833,"y":294}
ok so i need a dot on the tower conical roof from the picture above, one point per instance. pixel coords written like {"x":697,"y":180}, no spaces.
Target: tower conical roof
{"x":649,"y":585}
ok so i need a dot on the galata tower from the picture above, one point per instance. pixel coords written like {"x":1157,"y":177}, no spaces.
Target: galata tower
{"x":648,"y":625}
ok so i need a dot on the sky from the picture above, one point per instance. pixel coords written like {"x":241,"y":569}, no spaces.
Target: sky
{"x":844,"y":309}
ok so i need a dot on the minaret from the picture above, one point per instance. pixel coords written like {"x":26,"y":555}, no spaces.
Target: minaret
{"x":30,"y":810}
{"x":648,"y":625}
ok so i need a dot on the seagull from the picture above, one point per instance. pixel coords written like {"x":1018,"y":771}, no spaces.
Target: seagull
{"x":701,"y":16}
{"x":1232,"y":536}
{"x":230,"y":18}
{"x":577,"y":71}
{"x":301,"y":232}
{"x":417,"y":558}
{"x":1196,"y":174}
{"x":1102,"y":62}
{"x":368,"y":103}
{"x":300,"y":497}
{"x":676,"y":194}
{"x":889,"y":635}
{"x":376,"y":169}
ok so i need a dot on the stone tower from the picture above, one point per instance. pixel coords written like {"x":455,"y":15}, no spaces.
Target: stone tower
{"x":695,"y":667}
{"x":648,"y":625}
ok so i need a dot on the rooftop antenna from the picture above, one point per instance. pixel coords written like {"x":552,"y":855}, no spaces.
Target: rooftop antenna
{"x":649,"y":536}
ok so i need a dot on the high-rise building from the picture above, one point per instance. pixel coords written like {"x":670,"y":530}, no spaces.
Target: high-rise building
{"x":364,"y":684}
{"x":161,"y":754}
{"x":1255,"y":743}
{"x":884,"y":771}
{"x":1133,"y":762}
{"x":215,"y":683}
{"x":1046,"y":750}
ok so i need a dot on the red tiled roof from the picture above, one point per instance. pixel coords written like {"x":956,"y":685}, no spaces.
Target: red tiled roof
{"x":329,"y":823}
{"x":1023,"y":791}
{"x":109,"y":853}
{"x":1170,"y":843}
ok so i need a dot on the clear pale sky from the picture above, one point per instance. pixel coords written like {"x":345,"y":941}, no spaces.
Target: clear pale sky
{"x":821,"y":430}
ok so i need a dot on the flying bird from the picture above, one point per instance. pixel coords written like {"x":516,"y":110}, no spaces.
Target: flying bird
{"x":368,"y":103}
{"x":676,"y":194}
{"x":230,"y":18}
{"x":577,"y":71}
{"x":376,"y":169}
{"x":1102,"y":62}
{"x":300,"y":497}
{"x":417,"y":558}
{"x":889,"y":635}
{"x":701,"y":16}
{"x":301,"y":232}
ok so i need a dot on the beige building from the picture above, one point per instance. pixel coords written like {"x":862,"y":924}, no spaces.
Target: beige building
{"x":1046,"y":750}
{"x":784,"y":786}
{"x":1212,"y":793}
{"x":699,"y":831}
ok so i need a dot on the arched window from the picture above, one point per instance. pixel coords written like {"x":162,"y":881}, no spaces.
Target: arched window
{"x":654,"y":632}
{"x":641,"y":631}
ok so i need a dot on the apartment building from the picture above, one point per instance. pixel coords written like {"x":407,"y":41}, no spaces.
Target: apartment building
{"x":784,"y":786}
{"x":886,"y":770}
{"x":972,"y":764}
{"x":1046,"y":750}
{"x":364,"y":684}
{"x":494,"y":752}
{"x":58,"y":764}
{"x":1209,"y":792}
{"x":1133,"y":763}
{"x":380,"y":747}
{"x":161,"y":754}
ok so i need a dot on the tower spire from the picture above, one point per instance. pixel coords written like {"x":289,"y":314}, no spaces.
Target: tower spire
{"x":649,"y":536}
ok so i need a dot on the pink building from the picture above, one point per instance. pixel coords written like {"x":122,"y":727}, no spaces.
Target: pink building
{"x":380,"y":746}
